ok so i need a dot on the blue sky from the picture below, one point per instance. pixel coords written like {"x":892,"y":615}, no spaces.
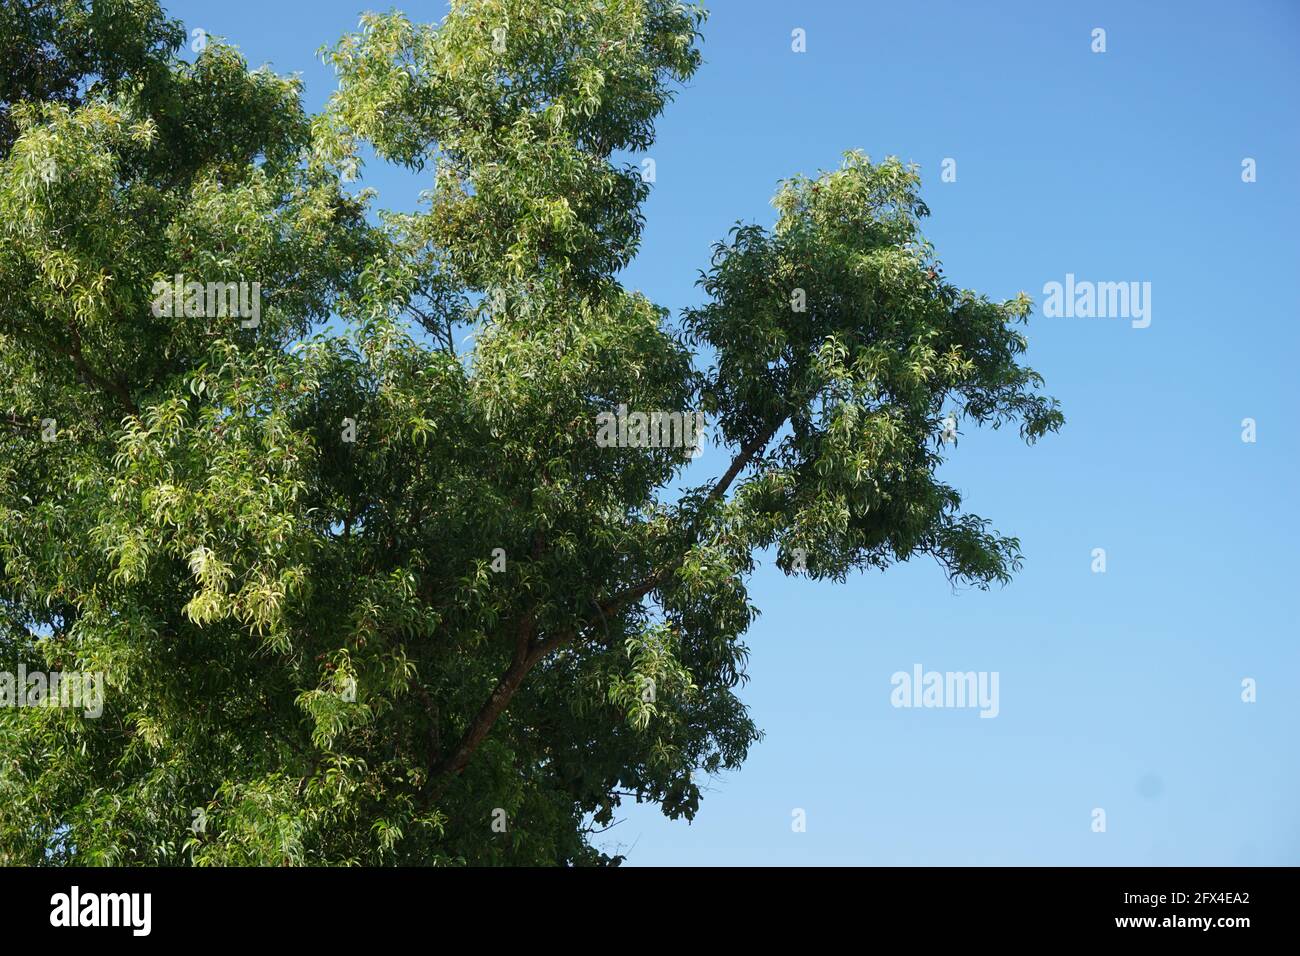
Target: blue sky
{"x":1118,"y":690}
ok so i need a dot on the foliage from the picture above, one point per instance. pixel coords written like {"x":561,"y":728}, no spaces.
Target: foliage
{"x":314,"y":650}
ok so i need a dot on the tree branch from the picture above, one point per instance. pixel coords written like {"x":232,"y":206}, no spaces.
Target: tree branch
{"x":527,"y":654}
{"x":524,"y":660}
{"x":13,"y":421}
{"x":116,"y":389}
{"x":743,"y":458}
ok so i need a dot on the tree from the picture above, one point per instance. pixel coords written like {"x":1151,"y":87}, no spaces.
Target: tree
{"x":57,"y":51}
{"x":362,"y":593}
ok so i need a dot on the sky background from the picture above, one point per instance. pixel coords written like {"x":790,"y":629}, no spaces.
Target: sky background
{"x":1121,"y":690}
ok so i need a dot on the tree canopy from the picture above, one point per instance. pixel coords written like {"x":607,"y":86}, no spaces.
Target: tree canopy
{"x":363,"y":585}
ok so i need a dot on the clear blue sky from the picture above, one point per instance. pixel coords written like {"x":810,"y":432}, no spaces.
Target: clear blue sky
{"x":1119,"y":690}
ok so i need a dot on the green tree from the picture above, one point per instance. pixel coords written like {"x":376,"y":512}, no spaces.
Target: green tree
{"x":363,"y":593}
{"x":58,"y":51}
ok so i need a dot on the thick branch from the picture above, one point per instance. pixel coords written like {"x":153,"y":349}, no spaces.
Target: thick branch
{"x":525,"y":658}
{"x":738,"y":464}
{"x":91,"y":377}
{"x":13,"y":421}
{"x":527,"y":653}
